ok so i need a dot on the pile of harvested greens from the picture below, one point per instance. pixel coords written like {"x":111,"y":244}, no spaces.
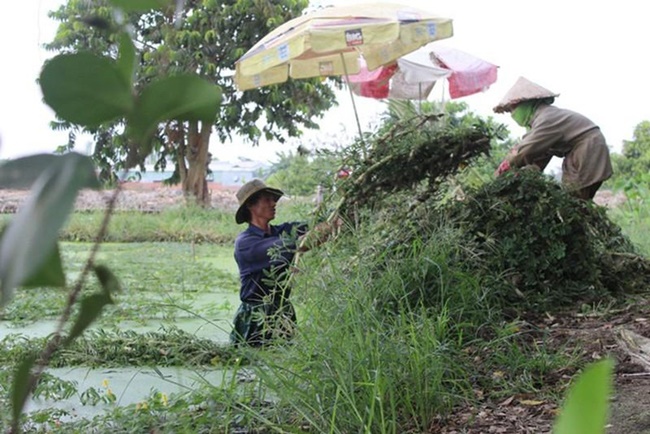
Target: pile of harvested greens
{"x":417,"y":154}
{"x":530,"y":242}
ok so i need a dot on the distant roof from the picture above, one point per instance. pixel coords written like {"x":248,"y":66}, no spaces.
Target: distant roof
{"x":238,"y":165}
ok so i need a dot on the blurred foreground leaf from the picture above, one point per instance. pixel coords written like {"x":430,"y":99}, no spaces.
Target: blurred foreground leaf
{"x":50,"y":273}
{"x":181,"y":97}
{"x":90,"y":309}
{"x":126,"y":57}
{"x":585,"y":408}
{"x":86,"y":89}
{"x":108,"y":280}
{"x":20,"y":387}
{"x":31,"y":236}
{"x":22,"y":172}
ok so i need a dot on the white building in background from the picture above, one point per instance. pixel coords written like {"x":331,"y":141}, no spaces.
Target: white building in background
{"x":236,"y":173}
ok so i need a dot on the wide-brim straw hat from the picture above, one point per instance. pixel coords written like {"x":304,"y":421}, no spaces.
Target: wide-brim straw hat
{"x":523,"y":90}
{"x":246,"y":191}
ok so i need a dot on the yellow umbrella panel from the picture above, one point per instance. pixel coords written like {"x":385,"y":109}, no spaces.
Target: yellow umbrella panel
{"x":331,"y":41}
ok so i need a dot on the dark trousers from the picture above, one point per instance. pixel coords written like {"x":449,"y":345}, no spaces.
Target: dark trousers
{"x":264,"y":322}
{"x":588,"y":192}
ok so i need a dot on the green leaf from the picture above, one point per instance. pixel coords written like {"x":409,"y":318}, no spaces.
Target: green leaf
{"x":126,"y":57}
{"x":31,"y":235}
{"x":90,"y":309}
{"x":107,"y":279}
{"x":585,"y":409}
{"x":20,"y":387}
{"x":140,"y":5}
{"x":22,"y":172}
{"x":181,"y":97}
{"x":86,"y":89}
{"x":49,"y":274}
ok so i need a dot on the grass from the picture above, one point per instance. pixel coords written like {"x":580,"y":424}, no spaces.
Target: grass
{"x":121,"y":348}
{"x":192,"y":224}
{"x":391,"y":348}
{"x":633,"y":216}
{"x":390,"y":340}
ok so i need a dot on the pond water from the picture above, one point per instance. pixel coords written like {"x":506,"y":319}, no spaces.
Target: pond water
{"x":194,"y":291}
{"x":129,"y":385}
{"x":216,"y":329}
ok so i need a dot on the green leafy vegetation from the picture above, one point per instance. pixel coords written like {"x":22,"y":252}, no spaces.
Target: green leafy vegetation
{"x":547,"y":248}
{"x":396,"y":329}
{"x":427,"y":301}
{"x":120,"y":348}
{"x":632,"y":166}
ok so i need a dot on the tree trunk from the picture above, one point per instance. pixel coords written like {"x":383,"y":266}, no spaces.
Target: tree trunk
{"x":175,"y":132}
{"x":195,"y":185}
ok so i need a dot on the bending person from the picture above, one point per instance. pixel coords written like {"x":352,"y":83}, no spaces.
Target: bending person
{"x":552,"y":131}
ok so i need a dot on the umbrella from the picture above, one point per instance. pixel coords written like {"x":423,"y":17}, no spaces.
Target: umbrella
{"x":414,"y":75}
{"x":332,"y":42}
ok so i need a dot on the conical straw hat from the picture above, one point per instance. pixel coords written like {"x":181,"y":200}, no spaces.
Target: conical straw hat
{"x":523,"y":90}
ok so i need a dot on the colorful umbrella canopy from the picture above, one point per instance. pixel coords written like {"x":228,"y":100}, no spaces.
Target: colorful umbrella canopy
{"x":333,"y":40}
{"x":414,"y":75}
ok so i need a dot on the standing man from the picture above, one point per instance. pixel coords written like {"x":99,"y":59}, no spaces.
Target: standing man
{"x":264,"y":254}
{"x":552,"y":131}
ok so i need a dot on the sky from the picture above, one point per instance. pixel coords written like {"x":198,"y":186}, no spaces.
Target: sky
{"x":594,"y":54}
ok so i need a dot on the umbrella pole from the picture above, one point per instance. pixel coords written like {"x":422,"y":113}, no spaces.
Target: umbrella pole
{"x":354,"y":107}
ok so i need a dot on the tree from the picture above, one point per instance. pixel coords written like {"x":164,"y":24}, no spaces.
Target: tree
{"x":301,"y":174}
{"x":205,"y":37}
{"x":633,"y":165}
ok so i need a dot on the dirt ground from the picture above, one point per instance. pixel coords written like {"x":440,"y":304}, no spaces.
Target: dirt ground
{"x":518,"y":414}
{"x":137,"y":196}
{"x":595,"y":337}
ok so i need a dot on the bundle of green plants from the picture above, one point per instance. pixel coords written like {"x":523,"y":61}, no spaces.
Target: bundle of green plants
{"x":365,"y":360}
{"x":420,"y":151}
{"x":543,"y":249}
{"x":534,"y":245}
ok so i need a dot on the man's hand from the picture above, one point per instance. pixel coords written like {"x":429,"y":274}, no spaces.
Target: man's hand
{"x":503,"y":167}
{"x":319,"y":234}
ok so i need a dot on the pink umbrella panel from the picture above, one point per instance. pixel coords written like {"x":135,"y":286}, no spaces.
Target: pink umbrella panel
{"x":414,"y":75}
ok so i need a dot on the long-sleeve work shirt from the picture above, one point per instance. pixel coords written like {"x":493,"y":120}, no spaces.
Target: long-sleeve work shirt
{"x":264,"y":258}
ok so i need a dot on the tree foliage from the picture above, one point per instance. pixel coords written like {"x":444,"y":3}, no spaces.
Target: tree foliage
{"x":632,"y":167}
{"x":205,"y":37}
{"x":300,"y":174}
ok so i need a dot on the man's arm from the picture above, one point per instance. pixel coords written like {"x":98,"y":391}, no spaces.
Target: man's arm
{"x":319,"y":234}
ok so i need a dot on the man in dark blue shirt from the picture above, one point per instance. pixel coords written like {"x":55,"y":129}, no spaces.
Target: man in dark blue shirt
{"x":264,"y":254}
